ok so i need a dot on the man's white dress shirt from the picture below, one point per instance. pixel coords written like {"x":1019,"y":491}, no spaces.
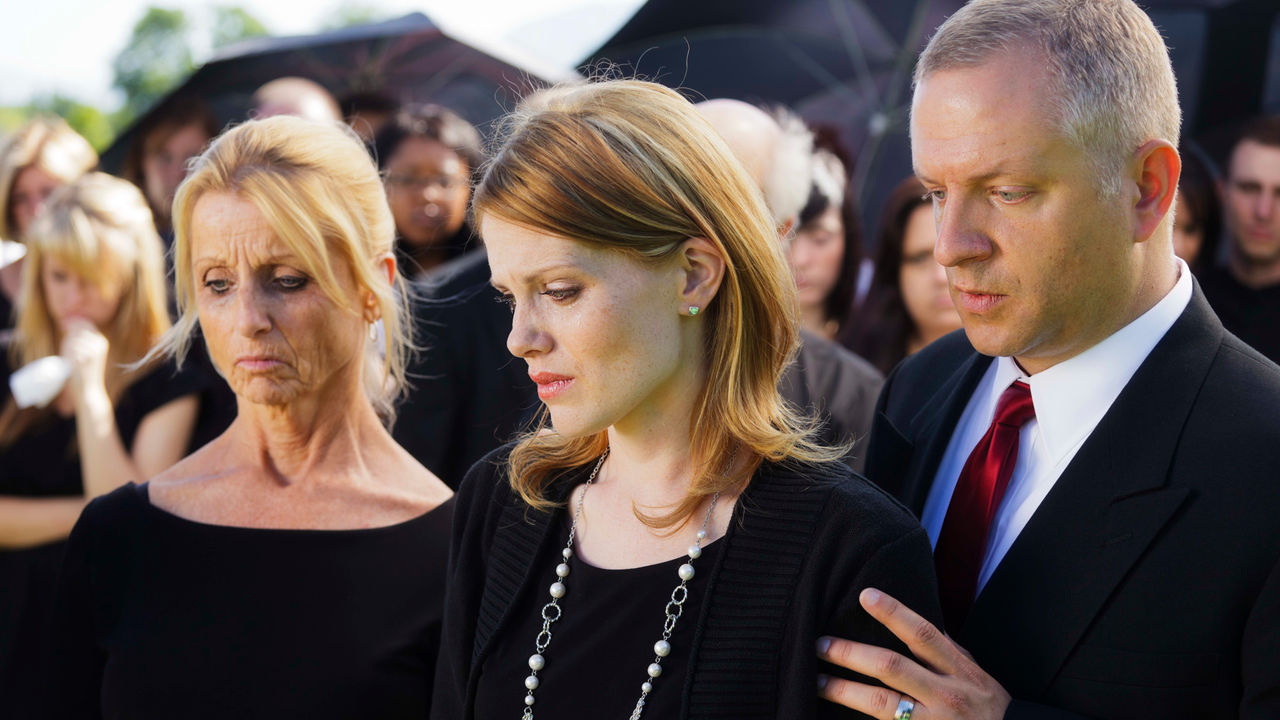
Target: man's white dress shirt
{"x":1070,"y":399}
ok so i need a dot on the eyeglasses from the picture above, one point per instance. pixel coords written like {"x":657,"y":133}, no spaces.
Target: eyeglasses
{"x":418,"y":184}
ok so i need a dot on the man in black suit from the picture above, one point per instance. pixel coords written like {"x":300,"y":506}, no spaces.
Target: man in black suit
{"x":1107,"y":547}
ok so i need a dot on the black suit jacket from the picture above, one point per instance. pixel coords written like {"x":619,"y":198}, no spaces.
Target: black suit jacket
{"x":1147,"y":583}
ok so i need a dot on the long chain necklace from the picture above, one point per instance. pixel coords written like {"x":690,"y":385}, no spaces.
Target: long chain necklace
{"x":551,"y":612}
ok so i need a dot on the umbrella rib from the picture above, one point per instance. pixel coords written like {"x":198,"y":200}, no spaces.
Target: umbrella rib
{"x":849,"y":37}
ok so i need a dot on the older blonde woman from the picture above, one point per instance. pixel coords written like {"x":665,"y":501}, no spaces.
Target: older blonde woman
{"x":42,"y":156}
{"x":675,"y":546}
{"x":291,"y":567}
{"x":94,"y":296}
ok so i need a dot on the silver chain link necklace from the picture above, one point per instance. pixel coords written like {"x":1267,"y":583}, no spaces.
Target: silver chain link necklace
{"x":551,"y":612}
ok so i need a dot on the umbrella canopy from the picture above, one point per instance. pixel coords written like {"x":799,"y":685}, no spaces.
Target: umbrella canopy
{"x":847,"y":64}
{"x":408,"y":59}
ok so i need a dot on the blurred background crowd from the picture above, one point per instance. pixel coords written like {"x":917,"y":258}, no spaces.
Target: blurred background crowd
{"x":820,"y":89}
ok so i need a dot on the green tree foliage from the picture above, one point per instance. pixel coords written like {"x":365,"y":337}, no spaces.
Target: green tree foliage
{"x":94,"y":125}
{"x":233,"y":24}
{"x":155,"y":59}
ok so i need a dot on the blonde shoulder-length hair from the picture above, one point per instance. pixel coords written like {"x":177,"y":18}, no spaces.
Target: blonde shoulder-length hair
{"x":318,"y":190}
{"x":101,"y":228}
{"x":632,"y":166}
{"x":47,"y":143}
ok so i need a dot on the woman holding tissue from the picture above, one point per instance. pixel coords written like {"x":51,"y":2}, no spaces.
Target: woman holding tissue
{"x":81,"y":420}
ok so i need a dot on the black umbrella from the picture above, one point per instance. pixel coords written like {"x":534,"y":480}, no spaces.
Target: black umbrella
{"x":841,"y":63}
{"x":408,"y":59}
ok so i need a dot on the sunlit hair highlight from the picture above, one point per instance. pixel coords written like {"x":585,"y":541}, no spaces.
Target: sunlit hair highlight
{"x":319,"y":192}
{"x":632,"y":166}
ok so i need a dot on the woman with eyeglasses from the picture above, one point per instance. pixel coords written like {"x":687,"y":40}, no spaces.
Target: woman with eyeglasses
{"x":427,"y":155}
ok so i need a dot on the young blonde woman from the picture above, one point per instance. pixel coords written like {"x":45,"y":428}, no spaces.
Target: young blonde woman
{"x":93,"y":295}
{"x":292,"y":567}
{"x":673,"y":544}
{"x":41,"y":157}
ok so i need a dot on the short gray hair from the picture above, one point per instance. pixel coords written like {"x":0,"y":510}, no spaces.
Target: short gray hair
{"x":1113,"y":84}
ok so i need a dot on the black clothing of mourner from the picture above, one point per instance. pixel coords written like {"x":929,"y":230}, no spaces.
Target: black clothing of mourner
{"x":163,"y":617}
{"x":6,"y":315}
{"x":470,"y":395}
{"x":1251,"y":314}
{"x":1147,"y":583}
{"x":44,"y":462}
{"x":451,"y":248}
{"x":599,"y":659}
{"x":804,"y":541}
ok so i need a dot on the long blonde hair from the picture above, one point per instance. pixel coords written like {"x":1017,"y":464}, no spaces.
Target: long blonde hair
{"x":101,"y":227}
{"x":632,"y":166}
{"x":320,"y":193}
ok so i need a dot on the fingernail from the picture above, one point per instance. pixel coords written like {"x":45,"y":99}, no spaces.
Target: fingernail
{"x":871,"y":596}
{"x":822,"y":682}
{"x":824,"y":644}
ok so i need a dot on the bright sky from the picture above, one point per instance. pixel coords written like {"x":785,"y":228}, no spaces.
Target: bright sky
{"x":67,"y":46}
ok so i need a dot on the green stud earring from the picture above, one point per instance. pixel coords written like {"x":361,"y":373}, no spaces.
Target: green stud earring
{"x":693,"y":310}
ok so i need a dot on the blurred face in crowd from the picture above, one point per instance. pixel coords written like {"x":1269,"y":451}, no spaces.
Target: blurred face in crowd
{"x":1036,"y":259}
{"x":271,"y":330}
{"x":428,"y":189}
{"x":70,"y":295}
{"x":165,"y":164}
{"x":31,"y":187}
{"x":1188,"y":233}
{"x":599,"y":329}
{"x":816,"y":255}
{"x":1251,"y":198}
{"x":923,"y":281}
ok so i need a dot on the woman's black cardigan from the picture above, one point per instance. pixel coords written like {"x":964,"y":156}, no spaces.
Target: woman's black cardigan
{"x":805,"y":540}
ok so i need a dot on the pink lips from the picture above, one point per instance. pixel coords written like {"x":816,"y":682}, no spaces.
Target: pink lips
{"x":258,"y":363}
{"x":972,"y":302}
{"x":550,"y":384}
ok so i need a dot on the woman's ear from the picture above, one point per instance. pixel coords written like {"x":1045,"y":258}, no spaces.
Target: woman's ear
{"x":385,"y":263}
{"x":702,"y":269}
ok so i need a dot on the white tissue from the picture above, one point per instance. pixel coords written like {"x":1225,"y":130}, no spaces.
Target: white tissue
{"x":39,"y":382}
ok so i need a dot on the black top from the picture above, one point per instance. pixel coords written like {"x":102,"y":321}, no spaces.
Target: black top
{"x":603,"y":643}
{"x":1253,"y":315}
{"x":44,"y":462}
{"x":804,"y":541}
{"x":162,"y":617}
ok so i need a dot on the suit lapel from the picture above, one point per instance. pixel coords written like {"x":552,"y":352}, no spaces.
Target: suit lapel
{"x":1099,"y":518}
{"x":935,"y":422}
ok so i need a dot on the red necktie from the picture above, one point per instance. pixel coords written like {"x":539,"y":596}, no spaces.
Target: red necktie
{"x":962,"y":544}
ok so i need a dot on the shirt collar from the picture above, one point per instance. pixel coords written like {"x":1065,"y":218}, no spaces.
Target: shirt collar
{"x":1072,"y":396}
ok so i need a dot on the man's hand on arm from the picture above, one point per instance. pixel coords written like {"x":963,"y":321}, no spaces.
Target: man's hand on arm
{"x":942,"y":680}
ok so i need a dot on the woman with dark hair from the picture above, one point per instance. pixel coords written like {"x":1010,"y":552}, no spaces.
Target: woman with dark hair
{"x":908,"y":304}
{"x":157,"y":158}
{"x":427,"y":156}
{"x":826,"y":251}
{"x":1197,"y":219}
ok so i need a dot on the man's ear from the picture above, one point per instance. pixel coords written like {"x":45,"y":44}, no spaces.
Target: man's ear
{"x":1158,"y":169}
{"x":702,"y":270}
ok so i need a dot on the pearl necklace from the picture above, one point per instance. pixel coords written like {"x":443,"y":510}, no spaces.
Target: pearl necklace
{"x":551,"y":612}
